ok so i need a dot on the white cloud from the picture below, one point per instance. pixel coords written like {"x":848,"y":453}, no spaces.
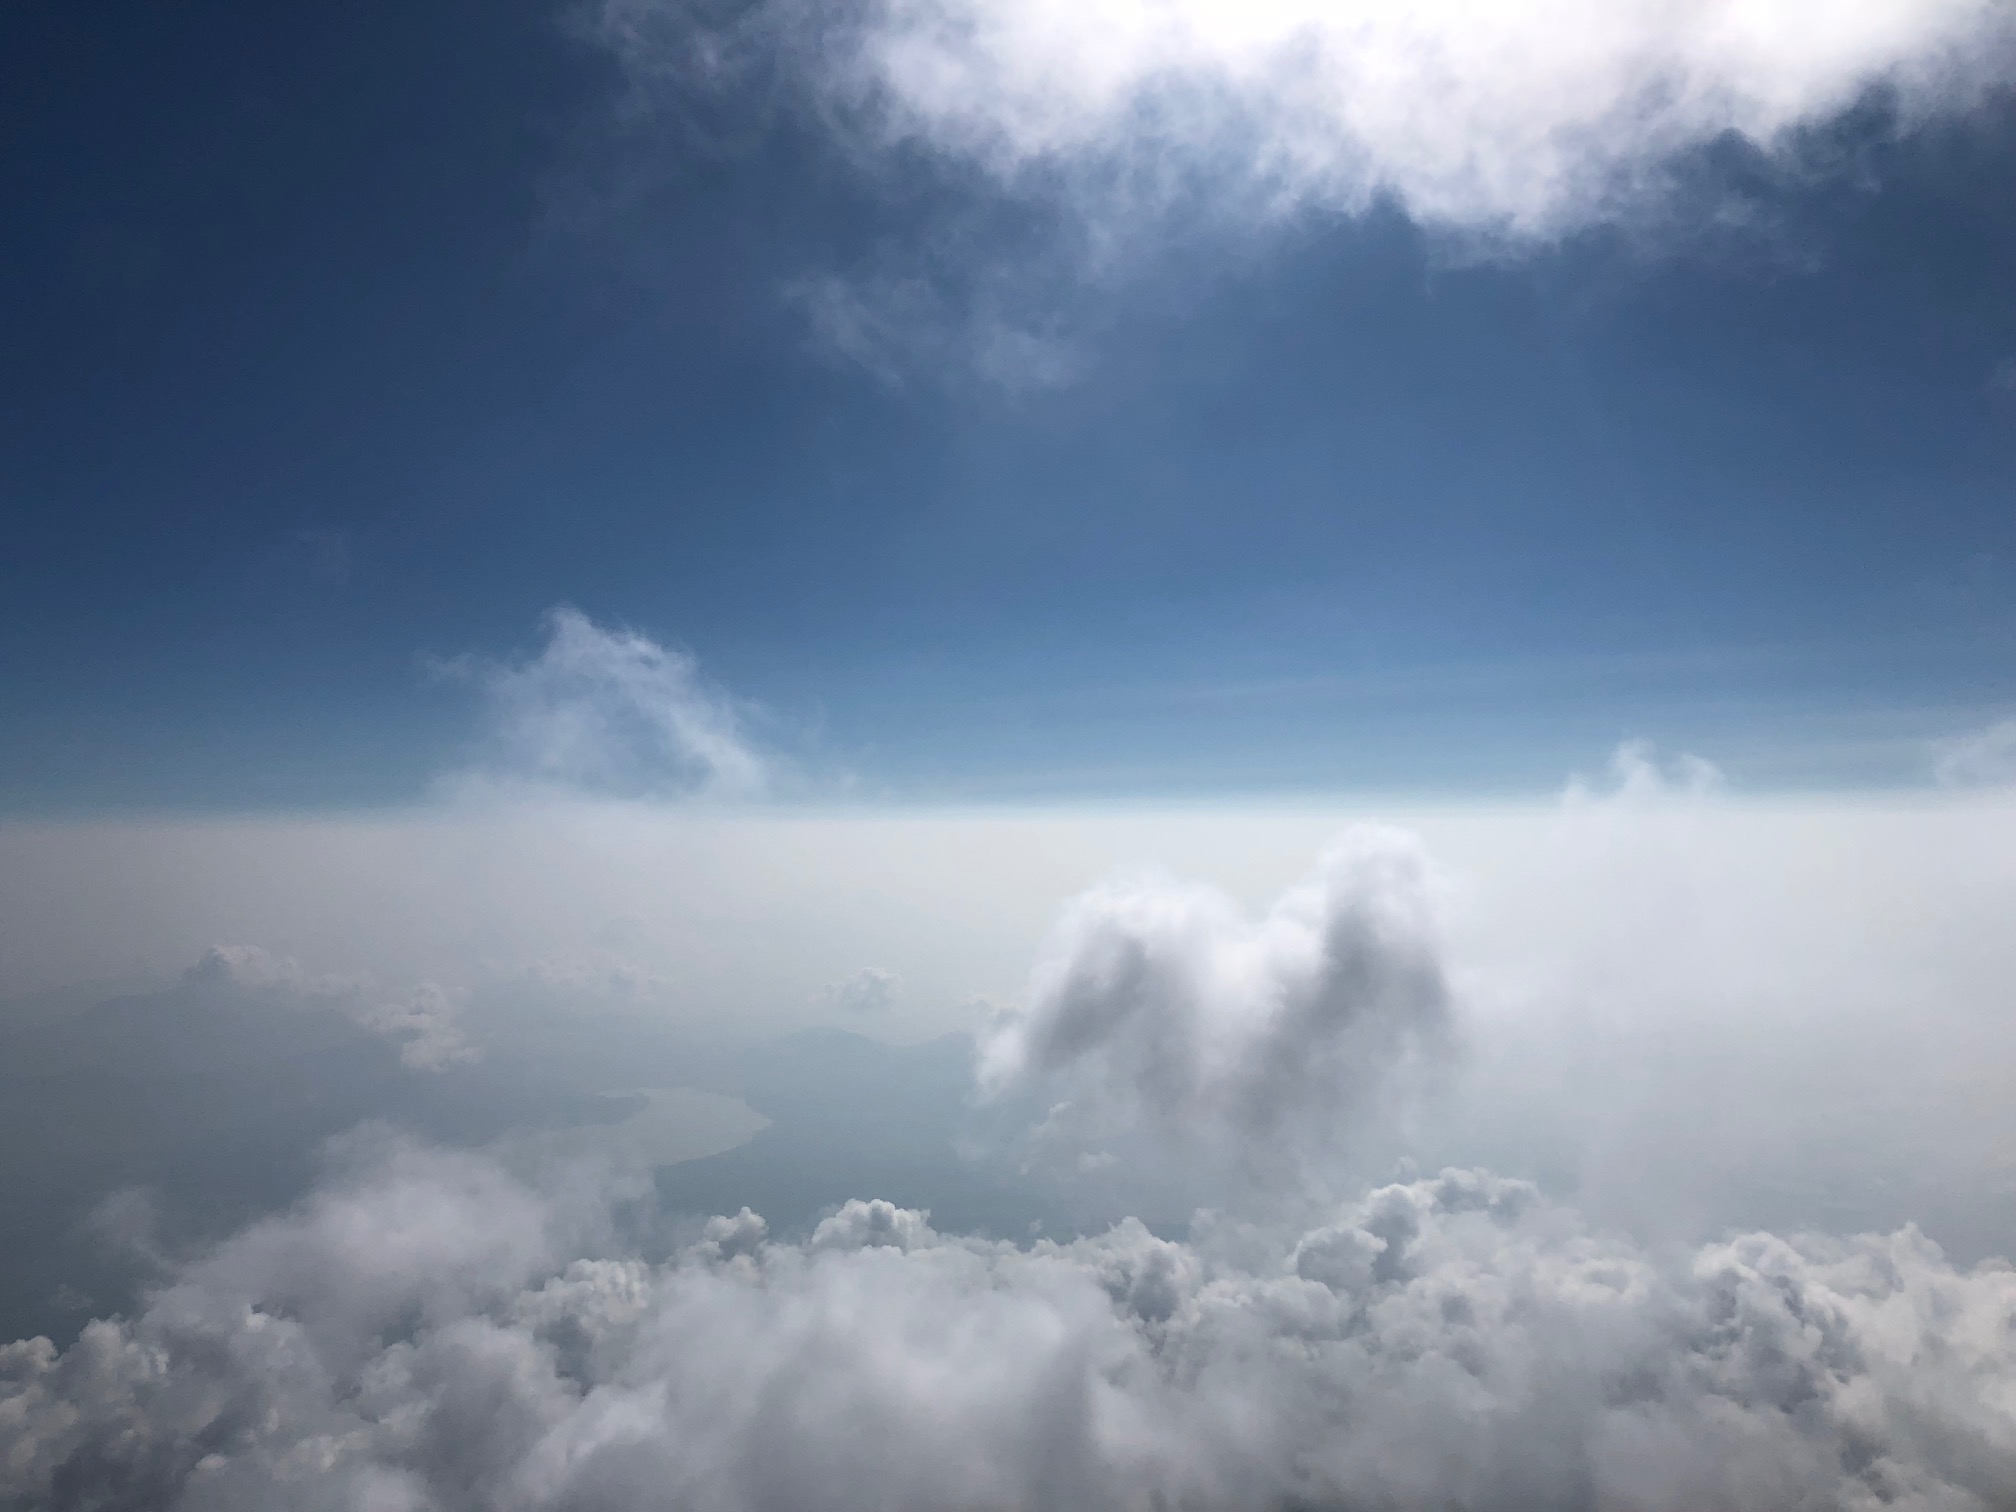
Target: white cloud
{"x":1510,"y":118}
{"x":611,"y":710}
{"x":1984,"y":758}
{"x":427,"y":1332}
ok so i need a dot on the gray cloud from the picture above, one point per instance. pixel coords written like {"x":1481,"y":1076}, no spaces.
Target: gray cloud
{"x":1164,"y":1009}
{"x":427,"y":1332}
{"x":869,"y":990}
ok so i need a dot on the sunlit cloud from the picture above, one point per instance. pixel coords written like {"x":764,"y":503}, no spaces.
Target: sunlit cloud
{"x":1497,"y":126}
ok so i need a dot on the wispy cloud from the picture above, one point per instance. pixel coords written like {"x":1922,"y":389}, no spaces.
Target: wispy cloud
{"x":1527,"y":118}
{"x":609,"y":710}
{"x":1980,"y":758}
{"x":898,"y":325}
{"x":1129,"y":121}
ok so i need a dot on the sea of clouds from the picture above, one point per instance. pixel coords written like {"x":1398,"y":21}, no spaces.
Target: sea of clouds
{"x":1645,"y":1150}
{"x":431,"y":1328}
{"x":426,"y":1332}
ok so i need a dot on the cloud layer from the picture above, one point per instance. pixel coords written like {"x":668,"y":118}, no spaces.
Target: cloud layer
{"x":426,"y":1332}
{"x":431,"y":1330}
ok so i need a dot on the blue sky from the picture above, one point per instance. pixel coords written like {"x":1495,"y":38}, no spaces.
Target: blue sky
{"x":344,"y":341}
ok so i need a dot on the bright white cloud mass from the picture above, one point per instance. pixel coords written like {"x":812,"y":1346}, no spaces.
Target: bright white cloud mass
{"x":1130,"y":127}
{"x":1678,"y":1028}
{"x":1522,"y":119}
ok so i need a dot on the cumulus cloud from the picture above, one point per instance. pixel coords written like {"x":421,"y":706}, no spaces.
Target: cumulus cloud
{"x":869,"y":990}
{"x":609,"y":710}
{"x":428,"y":1332}
{"x":1524,"y":119}
{"x":1163,"y":1006}
{"x":424,"y":1020}
{"x":1982,"y":758}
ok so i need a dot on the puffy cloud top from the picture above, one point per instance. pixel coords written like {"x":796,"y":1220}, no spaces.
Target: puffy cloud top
{"x":1252,"y":1036}
{"x":416,"y":1336}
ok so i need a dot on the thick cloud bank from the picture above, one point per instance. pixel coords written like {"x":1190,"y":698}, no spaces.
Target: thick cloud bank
{"x":423,"y":1333}
{"x":1524,"y":118}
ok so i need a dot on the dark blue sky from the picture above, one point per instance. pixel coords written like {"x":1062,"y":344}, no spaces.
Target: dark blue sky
{"x":342,"y":337}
